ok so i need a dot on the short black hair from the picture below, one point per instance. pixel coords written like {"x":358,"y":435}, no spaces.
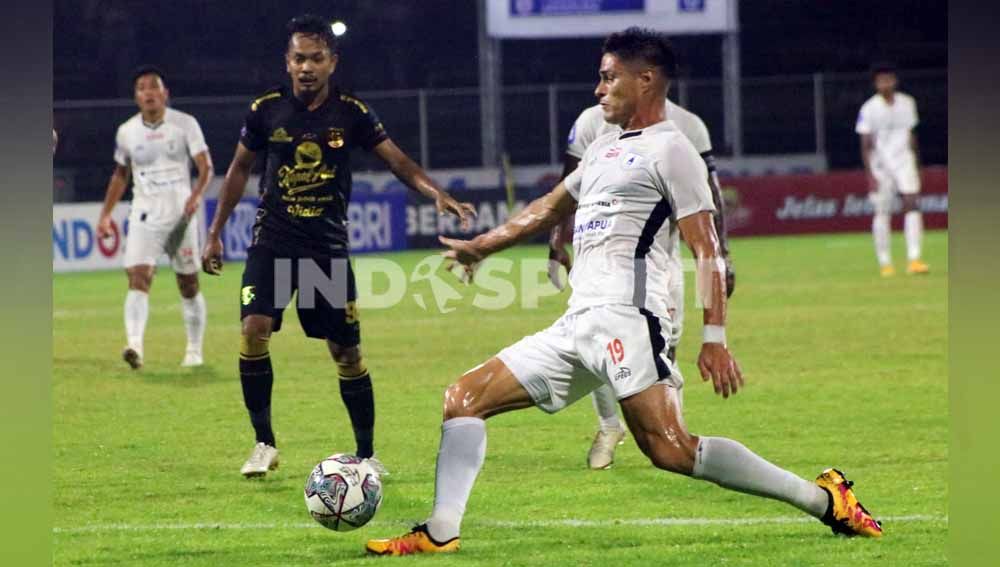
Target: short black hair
{"x":312,"y":25}
{"x":882,"y":67}
{"x":644,"y":44}
{"x":143,"y":70}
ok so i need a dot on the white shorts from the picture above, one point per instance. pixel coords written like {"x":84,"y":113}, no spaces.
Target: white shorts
{"x":144,"y":247}
{"x":616,"y":345}
{"x":904,"y":180}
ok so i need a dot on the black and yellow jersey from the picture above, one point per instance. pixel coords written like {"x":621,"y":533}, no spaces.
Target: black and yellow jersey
{"x":306,"y":183}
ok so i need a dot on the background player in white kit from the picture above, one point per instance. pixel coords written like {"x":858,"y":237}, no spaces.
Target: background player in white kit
{"x":155,"y":147}
{"x":889,"y":152}
{"x":632,"y":193}
{"x":589,"y":126}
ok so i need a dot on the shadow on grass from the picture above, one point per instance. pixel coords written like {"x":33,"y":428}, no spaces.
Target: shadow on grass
{"x":84,"y":368}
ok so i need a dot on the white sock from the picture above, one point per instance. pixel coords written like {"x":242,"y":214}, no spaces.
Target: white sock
{"x":731,"y":465}
{"x":136,"y":314}
{"x":194,"y":320}
{"x":606,"y":407}
{"x":913,"y":228}
{"x":881,"y":232}
{"x":461,"y":455}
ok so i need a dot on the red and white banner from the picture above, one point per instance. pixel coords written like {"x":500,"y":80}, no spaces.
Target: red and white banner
{"x":830,"y":202}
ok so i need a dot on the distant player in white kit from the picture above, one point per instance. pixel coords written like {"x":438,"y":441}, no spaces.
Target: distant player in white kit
{"x":889,"y":152}
{"x":589,"y":126}
{"x":633,"y":192}
{"x":156,"y":147}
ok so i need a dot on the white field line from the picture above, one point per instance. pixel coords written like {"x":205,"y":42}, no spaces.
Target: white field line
{"x":561,"y":523}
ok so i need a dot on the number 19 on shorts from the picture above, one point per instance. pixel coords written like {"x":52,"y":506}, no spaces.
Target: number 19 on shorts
{"x":617,"y":351}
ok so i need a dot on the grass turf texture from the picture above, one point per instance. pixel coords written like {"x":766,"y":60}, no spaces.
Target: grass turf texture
{"x":843,"y":369}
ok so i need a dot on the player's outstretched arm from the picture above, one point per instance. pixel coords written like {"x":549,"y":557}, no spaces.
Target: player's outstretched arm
{"x":116,"y":188}
{"x":229,"y":195}
{"x":540,"y":215}
{"x":715,"y":361}
{"x":414,"y":176}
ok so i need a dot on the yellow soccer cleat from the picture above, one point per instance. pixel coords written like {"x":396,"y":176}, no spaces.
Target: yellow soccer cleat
{"x":417,"y":541}
{"x":846,"y":515}
{"x":888,"y":271}
{"x":918,"y":267}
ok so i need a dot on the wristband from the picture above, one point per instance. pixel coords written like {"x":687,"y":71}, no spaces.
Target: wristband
{"x":713,"y":334}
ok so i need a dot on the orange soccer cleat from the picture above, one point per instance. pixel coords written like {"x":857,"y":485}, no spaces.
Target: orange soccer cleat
{"x":846,"y":515}
{"x":918,"y":267}
{"x":417,"y":541}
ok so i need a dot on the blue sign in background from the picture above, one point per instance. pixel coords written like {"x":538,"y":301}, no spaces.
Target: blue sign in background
{"x":554,"y":7}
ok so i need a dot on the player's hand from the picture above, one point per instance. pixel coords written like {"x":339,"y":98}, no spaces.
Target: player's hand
{"x":558,"y":256}
{"x":104,"y":228}
{"x":462,"y":253}
{"x":730,"y":278}
{"x":211,"y":257}
{"x":191,"y":205}
{"x":446,"y":204}
{"x":717,"y":364}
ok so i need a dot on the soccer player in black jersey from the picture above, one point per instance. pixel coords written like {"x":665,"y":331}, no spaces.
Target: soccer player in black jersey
{"x":307,"y":134}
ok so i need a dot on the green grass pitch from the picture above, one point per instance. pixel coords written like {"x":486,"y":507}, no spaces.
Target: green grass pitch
{"x":843,"y":369}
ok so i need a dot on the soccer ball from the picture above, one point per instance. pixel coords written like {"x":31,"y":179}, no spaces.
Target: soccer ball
{"x":343,"y":492}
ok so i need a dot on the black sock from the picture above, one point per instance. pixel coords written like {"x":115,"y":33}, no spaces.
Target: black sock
{"x":360,"y":403}
{"x":257,"y":378}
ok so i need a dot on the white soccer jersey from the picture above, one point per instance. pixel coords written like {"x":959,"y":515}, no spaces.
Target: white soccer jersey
{"x":590,"y":125}
{"x":890,"y":126}
{"x":631,"y":189}
{"x":160,"y":159}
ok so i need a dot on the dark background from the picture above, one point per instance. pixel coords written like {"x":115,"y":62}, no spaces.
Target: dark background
{"x":210,"y":48}
{"x":225,"y":48}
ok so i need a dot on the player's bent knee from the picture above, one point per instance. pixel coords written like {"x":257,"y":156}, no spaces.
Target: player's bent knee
{"x":256,"y":332}
{"x":188,"y":285}
{"x":458,"y":402}
{"x":349,"y":361}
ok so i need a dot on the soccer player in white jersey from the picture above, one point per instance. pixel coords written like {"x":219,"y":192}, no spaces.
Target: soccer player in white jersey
{"x":633,"y":192}
{"x":889,"y":152}
{"x":155,"y":148}
{"x":589,"y":126}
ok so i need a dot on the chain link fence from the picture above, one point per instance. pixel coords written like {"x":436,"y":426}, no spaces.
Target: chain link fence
{"x":440,"y":128}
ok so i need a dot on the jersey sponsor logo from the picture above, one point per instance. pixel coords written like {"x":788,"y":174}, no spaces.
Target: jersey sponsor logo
{"x":335,"y":138}
{"x":247,"y":294}
{"x":613,"y":152}
{"x":280,"y":136}
{"x":304,"y":211}
{"x":596,"y":225}
{"x":598,"y":203}
{"x":308,"y":172}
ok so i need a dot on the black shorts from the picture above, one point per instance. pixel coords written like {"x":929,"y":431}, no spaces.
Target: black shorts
{"x":324,"y":291}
